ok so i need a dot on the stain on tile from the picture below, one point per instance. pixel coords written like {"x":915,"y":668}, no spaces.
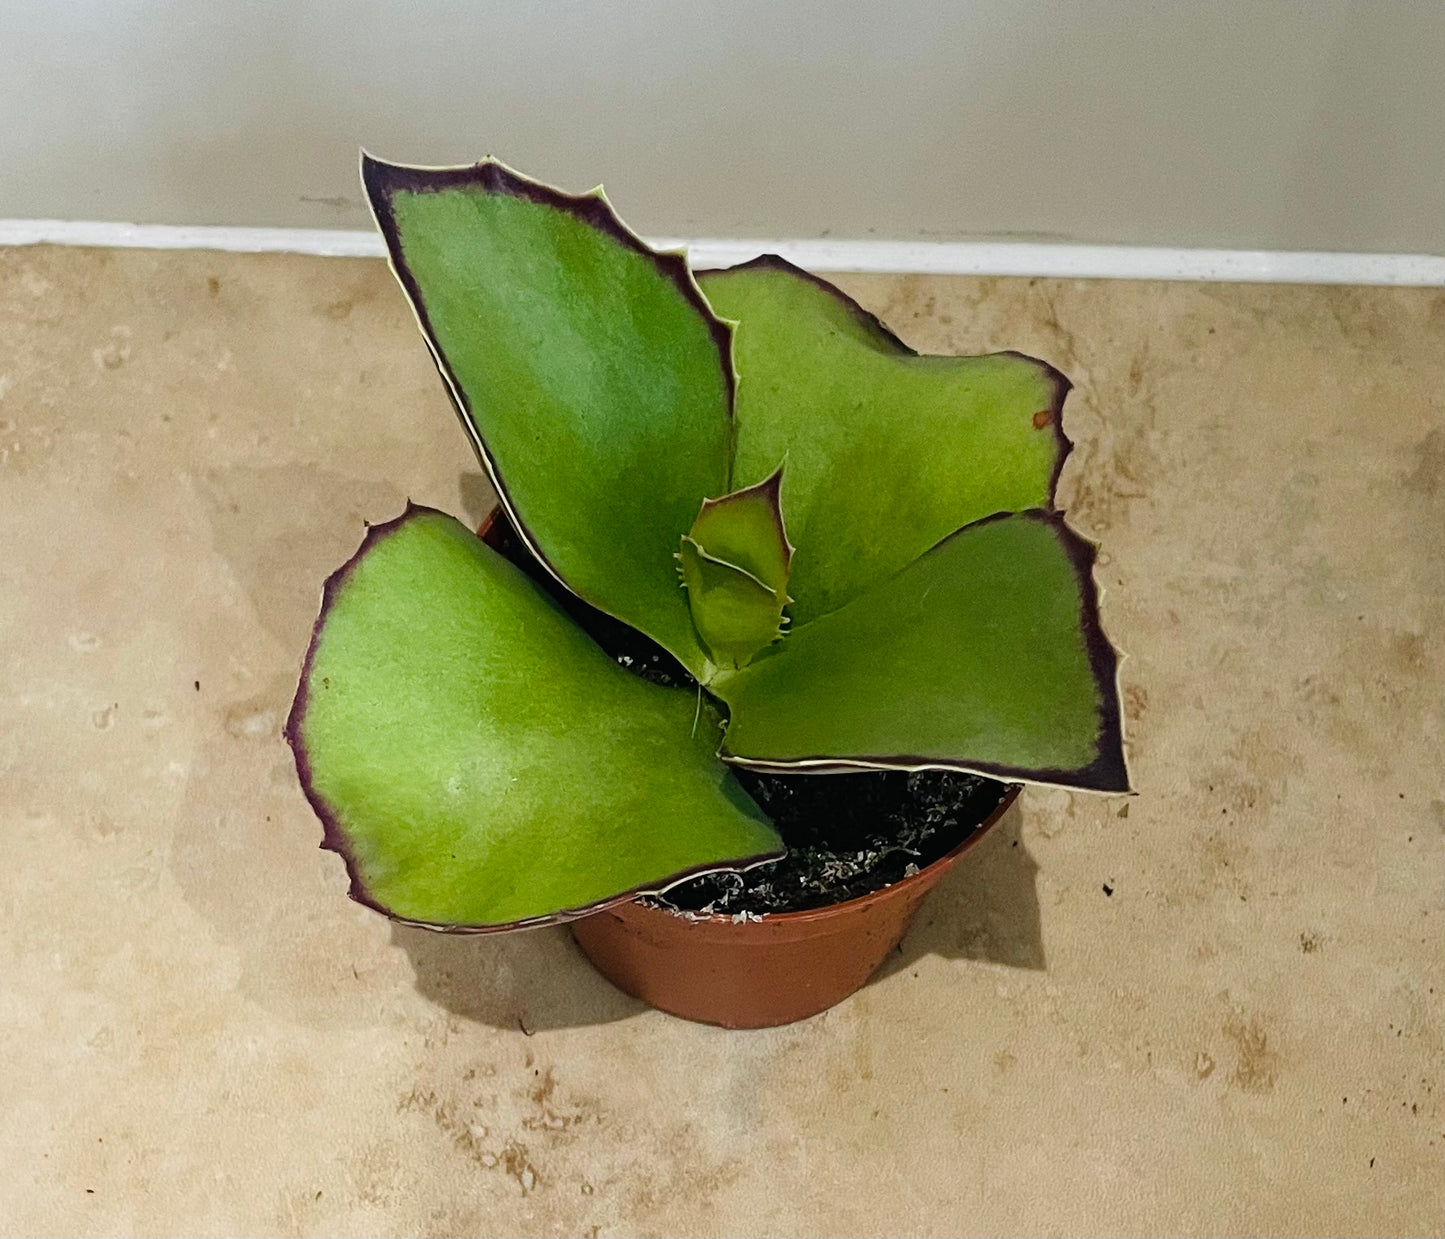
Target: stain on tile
{"x":115,"y":352}
{"x":259,"y":718}
{"x":1427,"y":470}
{"x":1256,"y":1061}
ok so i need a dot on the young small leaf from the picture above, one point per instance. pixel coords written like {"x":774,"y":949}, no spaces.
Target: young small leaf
{"x":735,"y":613}
{"x":746,"y":529}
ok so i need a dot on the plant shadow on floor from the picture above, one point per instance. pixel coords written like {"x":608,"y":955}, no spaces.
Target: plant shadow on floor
{"x":532,"y":980}
{"x":985,"y":909}
{"x":477,"y":496}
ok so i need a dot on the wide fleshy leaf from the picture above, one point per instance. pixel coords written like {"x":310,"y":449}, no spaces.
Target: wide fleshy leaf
{"x":887,"y":451}
{"x":985,"y":654}
{"x":594,"y":380}
{"x":481,"y":763}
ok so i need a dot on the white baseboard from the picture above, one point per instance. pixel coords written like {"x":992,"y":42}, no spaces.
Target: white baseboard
{"x":1135,"y":262}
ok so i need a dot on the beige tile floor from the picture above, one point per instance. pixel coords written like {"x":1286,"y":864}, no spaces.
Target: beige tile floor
{"x":200,"y":1035}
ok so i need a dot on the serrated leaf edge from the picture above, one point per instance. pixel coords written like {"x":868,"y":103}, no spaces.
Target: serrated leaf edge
{"x":379,"y":178}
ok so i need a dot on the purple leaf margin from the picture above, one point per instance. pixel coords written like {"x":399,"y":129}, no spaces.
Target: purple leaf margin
{"x":334,"y":838}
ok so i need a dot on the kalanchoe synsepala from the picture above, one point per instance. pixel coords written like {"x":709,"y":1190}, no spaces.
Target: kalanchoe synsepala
{"x":854,"y":549}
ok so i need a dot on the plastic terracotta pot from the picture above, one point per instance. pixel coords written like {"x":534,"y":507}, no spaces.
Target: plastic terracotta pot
{"x":782,"y":967}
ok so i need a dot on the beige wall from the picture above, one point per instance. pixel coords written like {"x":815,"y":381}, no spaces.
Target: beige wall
{"x":1237,"y":123}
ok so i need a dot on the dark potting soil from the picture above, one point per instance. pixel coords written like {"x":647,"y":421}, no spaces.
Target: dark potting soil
{"x":846,"y":834}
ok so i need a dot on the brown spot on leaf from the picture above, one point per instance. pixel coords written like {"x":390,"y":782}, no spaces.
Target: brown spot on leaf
{"x":1042,"y":418}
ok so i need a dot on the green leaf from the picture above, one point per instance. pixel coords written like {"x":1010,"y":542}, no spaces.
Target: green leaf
{"x":985,"y":654}
{"x":735,"y":613}
{"x":735,"y":564}
{"x":593,"y":378}
{"x":480,"y":763}
{"x":746,"y":529}
{"x":887,"y":451}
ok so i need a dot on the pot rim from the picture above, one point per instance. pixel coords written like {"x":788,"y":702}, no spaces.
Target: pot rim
{"x":927,"y":875}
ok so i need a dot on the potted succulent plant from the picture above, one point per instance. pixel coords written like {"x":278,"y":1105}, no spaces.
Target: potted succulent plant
{"x":762,"y":583}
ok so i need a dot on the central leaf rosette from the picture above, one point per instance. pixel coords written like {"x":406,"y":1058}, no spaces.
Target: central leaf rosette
{"x":874,"y":573}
